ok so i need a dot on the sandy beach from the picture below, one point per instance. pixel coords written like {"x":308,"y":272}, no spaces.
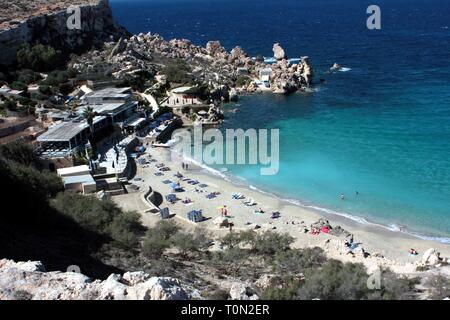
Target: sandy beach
{"x":386,"y":248}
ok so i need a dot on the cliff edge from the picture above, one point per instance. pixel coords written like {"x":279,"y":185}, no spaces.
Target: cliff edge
{"x":46,"y":23}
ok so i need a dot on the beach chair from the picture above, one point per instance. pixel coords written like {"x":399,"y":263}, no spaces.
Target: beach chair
{"x":164,"y":213}
{"x":195,"y":216}
{"x":171,"y":198}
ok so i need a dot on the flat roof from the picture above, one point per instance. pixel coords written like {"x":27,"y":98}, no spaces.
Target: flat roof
{"x":73,"y":170}
{"x":110,"y":93}
{"x":181,"y":90}
{"x":64,"y":131}
{"x":112,"y":108}
{"x":136,"y":122}
{"x":86,"y":178}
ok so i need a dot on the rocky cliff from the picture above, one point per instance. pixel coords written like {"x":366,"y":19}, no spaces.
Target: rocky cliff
{"x":50,"y":28}
{"x":28,"y":280}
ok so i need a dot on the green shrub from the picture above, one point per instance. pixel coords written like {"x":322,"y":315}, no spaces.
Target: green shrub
{"x":124,"y":229}
{"x":9,"y":104}
{"x":17,"y":85}
{"x":43,"y":184}
{"x":297,"y":261}
{"x":154,"y":245}
{"x":39,"y":57}
{"x":100,"y":216}
{"x":28,"y":76}
{"x":177,"y":71}
{"x":190,"y":242}
{"x":440,"y":287}
{"x":269,"y":243}
{"x":19,"y":152}
{"x":335,"y":281}
{"x":242,"y":81}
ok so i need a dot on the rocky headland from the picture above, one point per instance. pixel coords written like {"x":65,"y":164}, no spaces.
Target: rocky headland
{"x":45,"y":22}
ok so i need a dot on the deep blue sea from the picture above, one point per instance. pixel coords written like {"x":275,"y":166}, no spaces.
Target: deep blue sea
{"x":382,"y":128}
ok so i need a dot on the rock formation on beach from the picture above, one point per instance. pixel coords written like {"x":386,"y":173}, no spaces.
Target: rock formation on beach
{"x":278,"y":52}
{"x":28,"y":280}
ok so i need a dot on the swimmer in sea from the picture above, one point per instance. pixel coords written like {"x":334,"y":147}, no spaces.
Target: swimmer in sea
{"x":342,"y":197}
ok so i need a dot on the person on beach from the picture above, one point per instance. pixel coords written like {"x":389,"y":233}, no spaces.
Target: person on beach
{"x":182,"y":165}
{"x":231,"y":225}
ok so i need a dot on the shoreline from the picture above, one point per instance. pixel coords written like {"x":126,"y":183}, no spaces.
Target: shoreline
{"x":344,"y":216}
{"x":387,"y":248}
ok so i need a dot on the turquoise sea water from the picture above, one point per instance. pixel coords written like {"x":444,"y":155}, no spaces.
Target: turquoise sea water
{"x":382,"y":128}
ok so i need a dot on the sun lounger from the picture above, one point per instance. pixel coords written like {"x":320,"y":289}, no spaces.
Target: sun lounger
{"x":167,"y":182}
{"x":159,"y":174}
{"x":237,"y":196}
{"x":275,"y":215}
{"x":250,"y":203}
{"x":203,"y":185}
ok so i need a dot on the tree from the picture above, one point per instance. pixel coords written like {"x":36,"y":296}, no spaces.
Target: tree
{"x":19,"y":152}
{"x":39,"y":57}
{"x":269,"y":243}
{"x":89,"y":114}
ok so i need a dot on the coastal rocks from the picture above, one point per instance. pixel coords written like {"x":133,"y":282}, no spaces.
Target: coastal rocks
{"x":118,"y":48}
{"x":28,"y":280}
{"x":238,"y":56}
{"x":97,"y":27}
{"x":278,"y":52}
{"x":335,"y":67}
{"x":266,"y":281}
{"x":216,"y":50}
{"x":431,"y":257}
{"x":306,"y":70}
{"x":234,"y":97}
{"x":241,"y":291}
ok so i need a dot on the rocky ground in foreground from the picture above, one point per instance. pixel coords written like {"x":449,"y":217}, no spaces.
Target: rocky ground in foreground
{"x":28,"y":280}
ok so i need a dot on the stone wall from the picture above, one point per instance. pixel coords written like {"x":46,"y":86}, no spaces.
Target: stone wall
{"x":97,"y":26}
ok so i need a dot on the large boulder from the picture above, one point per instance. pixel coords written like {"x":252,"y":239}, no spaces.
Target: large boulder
{"x":241,"y":291}
{"x":215,"y":49}
{"x":278,"y":52}
{"x":431,"y":257}
{"x":307,"y":72}
{"x":238,"y":56}
{"x":26,"y":280}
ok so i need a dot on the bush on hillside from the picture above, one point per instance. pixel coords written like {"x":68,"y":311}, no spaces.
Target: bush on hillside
{"x":39,"y":57}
